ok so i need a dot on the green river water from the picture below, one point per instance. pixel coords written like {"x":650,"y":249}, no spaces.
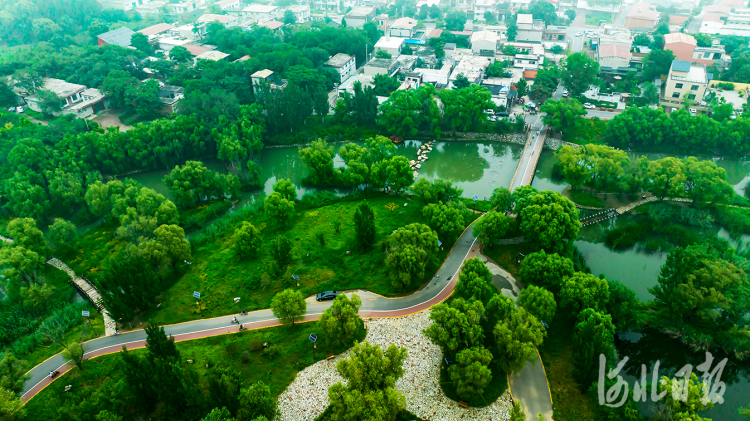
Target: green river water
{"x":478,"y":168}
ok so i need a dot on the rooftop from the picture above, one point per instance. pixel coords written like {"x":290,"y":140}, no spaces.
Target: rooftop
{"x":695,"y":73}
{"x":263,"y":74}
{"x":615,"y":50}
{"x":389,"y":42}
{"x":383,"y":63}
{"x":214,"y":55}
{"x":677,"y":20}
{"x":435,"y":33}
{"x":679,"y":37}
{"x":643,"y":11}
{"x":120,"y":36}
{"x":713,"y":17}
{"x":361,"y":12}
{"x":406,"y":23}
{"x":61,"y":88}
{"x":272,"y":24}
{"x":197,"y":50}
{"x":209,"y":17}
{"x":156,"y":29}
{"x":484,"y":36}
{"x":525,"y":18}
{"x":259,"y":8}
{"x":225,"y":3}
{"x":338,"y":60}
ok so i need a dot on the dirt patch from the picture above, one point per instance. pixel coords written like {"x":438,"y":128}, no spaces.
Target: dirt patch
{"x":109,"y":118}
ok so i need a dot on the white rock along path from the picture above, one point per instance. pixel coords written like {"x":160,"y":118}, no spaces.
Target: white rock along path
{"x":307,"y":396}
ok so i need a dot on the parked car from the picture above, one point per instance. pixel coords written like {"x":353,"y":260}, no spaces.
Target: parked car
{"x":19,"y":109}
{"x":502,"y":114}
{"x":589,"y":106}
{"x":692,"y":111}
{"x":566,"y":94}
{"x":579,"y":34}
{"x":327,"y":295}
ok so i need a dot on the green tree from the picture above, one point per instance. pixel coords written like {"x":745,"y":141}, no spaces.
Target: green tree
{"x":593,"y":336}
{"x":667,"y":177}
{"x":564,"y":116}
{"x":642,"y":39}
{"x":512,"y":31}
{"x":582,"y":291}
{"x":73,"y":353}
{"x":684,"y":398}
{"x":27,"y":235}
{"x":465,"y":107}
{"x":364,"y":227}
{"x":461,"y":82}
{"x":498,"y":68}
{"x":288,"y":305}
{"x":501,"y":200}
{"x":218,"y":414}
{"x":382,"y":54}
{"x":550,"y":221}
{"x":180,"y":54}
{"x":285,"y":188}
{"x":471,"y":373}
{"x":140,"y":42}
{"x":11,"y":406}
{"x":281,"y":252}
{"x":289,"y":18}
{"x":516,"y":337}
{"x":435,"y":191}
{"x":194,"y":183}
{"x":547,"y":270}
{"x":579,"y":72}
{"x":276,"y":206}
{"x":370,"y":392}
{"x":117,"y":86}
{"x":516,"y":413}
{"x":556,"y":49}
{"x":522,"y":87}
{"x":657,"y":63}
{"x":318,"y":158}
{"x":247,"y":240}
{"x":575,"y":164}
{"x":538,"y":301}
{"x":49,"y":102}
{"x":650,"y":93}
{"x":400,"y":175}
{"x":410,"y":249}
{"x":12,"y":373}
{"x":475,"y":281}
{"x":257,"y":403}
{"x":456,"y":325}
{"x":448,"y":221}
{"x":127,"y":286}
{"x":62,"y":235}
{"x":455,"y":20}
{"x":385,"y":84}
{"x":105,"y":415}
{"x":491,"y":227}
{"x":341,"y":320}
{"x":706,"y":182}
{"x":321,"y":106}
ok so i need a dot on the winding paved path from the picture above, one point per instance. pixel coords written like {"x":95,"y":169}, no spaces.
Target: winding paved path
{"x":373,"y":305}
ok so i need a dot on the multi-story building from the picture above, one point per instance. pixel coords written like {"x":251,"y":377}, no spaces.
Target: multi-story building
{"x":686,"y":81}
{"x":403,"y":27}
{"x":555,"y":33}
{"x":529,"y":29}
{"x":642,"y":16}
{"x":325,"y":5}
{"x":682,"y":45}
{"x":343,"y":64}
{"x":125,"y":5}
{"x":260,"y":12}
{"x":484,"y":43}
{"x":301,"y":12}
{"x":359,"y":16}
{"x":391,"y":45}
{"x":230,"y":6}
{"x":483,"y":6}
{"x":227,"y":20}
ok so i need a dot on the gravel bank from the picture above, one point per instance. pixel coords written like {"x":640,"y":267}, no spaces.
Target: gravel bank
{"x":307,"y":396}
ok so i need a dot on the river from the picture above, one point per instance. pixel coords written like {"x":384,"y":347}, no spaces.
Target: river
{"x":478,"y":168}
{"x":639,"y":270}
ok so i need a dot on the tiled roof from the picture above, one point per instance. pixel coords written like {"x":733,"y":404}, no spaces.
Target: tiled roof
{"x":120,"y":36}
{"x":155,"y":29}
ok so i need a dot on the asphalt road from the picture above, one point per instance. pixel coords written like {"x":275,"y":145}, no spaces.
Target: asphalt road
{"x":527,"y":164}
{"x":373,"y":305}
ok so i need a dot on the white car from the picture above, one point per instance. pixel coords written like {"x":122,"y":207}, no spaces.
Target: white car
{"x":579,"y":34}
{"x":692,"y":111}
{"x":589,"y":106}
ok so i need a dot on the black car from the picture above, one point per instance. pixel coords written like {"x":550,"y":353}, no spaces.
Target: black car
{"x":326,"y":295}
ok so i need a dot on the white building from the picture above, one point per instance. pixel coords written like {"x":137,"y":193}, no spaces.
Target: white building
{"x":230,"y":5}
{"x":212,"y":55}
{"x":685,"y":81}
{"x":391,"y":45}
{"x":344,"y":65}
{"x":528,"y":61}
{"x":529,"y":29}
{"x":359,"y":16}
{"x":472,"y":68}
{"x":186,"y":6}
{"x":516,"y":5}
{"x":403,"y":27}
{"x":260,"y":12}
{"x":484,"y":43}
{"x":439,"y":76}
{"x":227,"y":20}
{"x":483,"y":6}
{"x":381,"y":66}
{"x":75,"y":99}
{"x":327,"y":5}
{"x":301,"y":12}
{"x":153,"y":7}
{"x":125,"y":5}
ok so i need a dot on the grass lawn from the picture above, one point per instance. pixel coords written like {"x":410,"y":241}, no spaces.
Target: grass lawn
{"x":568,"y":401}
{"x":218,"y":274}
{"x":290,"y":352}
{"x":593,"y":17}
{"x":506,"y":255}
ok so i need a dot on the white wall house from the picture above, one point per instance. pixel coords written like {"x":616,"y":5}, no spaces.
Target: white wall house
{"x":403,"y":27}
{"x":359,"y":16}
{"x":343,"y":64}
{"x":484,"y":43}
{"x":260,"y":12}
{"x":391,"y":45}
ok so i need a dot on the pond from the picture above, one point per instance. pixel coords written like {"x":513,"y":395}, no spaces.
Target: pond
{"x":639,"y":271}
{"x":476,"y":167}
